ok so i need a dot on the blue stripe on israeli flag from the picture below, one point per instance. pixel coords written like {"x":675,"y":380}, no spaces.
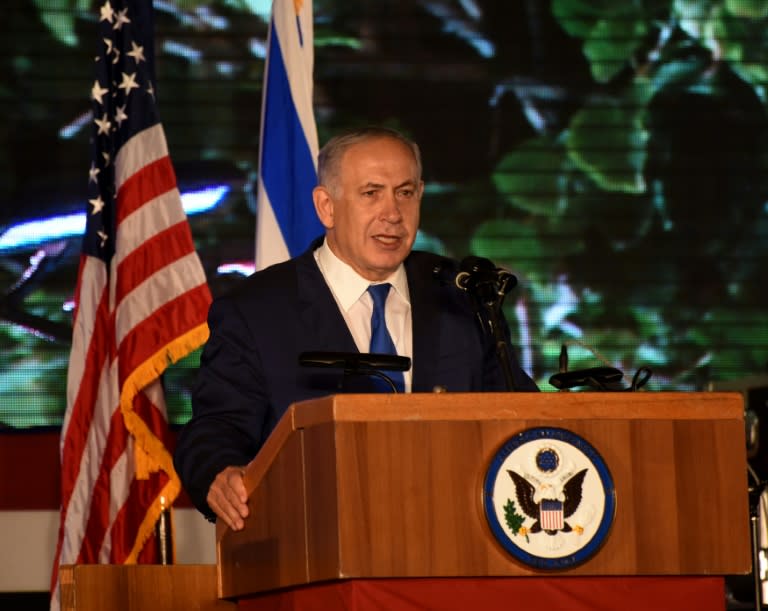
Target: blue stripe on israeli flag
{"x":286,"y":219}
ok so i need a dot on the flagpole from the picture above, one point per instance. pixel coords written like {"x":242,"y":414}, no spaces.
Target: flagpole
{"x":164,"y":535}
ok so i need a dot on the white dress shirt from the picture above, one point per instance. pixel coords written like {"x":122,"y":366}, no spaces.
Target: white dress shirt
{"x":350,"y":290}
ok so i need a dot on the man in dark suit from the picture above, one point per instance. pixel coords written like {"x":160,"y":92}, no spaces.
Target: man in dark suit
{"x":368,"y":200}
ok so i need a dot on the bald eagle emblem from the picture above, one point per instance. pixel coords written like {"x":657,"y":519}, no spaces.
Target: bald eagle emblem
{"x":549,"y":514}
{"x":549,"y":498}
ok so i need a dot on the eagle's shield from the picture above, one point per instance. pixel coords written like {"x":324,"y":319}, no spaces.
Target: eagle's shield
{"x":551,"y":514}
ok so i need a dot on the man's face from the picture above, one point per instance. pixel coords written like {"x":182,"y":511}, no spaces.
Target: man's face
{"x":372,"y":214}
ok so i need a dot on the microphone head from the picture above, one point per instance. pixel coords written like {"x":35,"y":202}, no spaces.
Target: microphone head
{"x":507,"y":280}
{"x":473,"y":271}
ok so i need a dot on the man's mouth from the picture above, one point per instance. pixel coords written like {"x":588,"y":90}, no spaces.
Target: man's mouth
{"x":388,"y":240}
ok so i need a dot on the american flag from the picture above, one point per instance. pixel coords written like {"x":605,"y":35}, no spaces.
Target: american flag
{"x":141,"y":302}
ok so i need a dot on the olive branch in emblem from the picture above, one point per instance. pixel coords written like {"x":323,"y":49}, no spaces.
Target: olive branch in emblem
{"x":515,"y":521}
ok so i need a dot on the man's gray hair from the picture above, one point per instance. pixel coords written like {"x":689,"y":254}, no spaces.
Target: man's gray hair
{"x":329,"y":159}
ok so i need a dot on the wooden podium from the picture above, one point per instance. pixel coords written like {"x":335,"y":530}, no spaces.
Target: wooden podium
{"x":389,"y":488}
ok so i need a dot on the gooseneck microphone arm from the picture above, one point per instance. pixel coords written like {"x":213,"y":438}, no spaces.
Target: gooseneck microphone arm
{"x":487,"y":285}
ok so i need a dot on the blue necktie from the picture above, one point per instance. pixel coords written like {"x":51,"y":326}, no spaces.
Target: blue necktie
{"x":381,"y":341}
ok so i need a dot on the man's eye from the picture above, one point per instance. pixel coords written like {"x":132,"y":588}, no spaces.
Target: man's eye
{"x":406,"y":193}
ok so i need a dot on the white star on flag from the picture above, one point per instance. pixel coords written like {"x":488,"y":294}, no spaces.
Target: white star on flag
{"x":120,"y":115}
{"x":129,"y":82}
{"x":97,"y":92}
{"x":106,"y":13}
{"x":136,"y":52}
{"x":103,"y":124}
{"x":122,"y":18}
{"x":98,"y":204}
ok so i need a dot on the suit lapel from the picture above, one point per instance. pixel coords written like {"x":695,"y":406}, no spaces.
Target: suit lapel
{"x":425,"y":313}
{"x":322,"y":327}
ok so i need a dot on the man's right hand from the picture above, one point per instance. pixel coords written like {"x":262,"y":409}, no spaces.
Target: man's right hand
{"x":228,"y":498}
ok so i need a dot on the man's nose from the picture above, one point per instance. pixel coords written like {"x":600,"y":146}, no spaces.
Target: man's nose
{"x":391,"y":208}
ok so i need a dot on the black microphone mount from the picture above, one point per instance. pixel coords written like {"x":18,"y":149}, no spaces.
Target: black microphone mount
{"x":487,"y":285}
{"x":596,"y":377}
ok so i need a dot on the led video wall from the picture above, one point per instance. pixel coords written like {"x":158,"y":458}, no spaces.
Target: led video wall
{"x":611,"y":155}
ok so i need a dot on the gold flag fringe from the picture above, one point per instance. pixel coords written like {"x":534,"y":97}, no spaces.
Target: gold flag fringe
{"x":150,"y":454}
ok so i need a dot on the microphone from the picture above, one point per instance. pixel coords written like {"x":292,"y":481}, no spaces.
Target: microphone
{"x":473,"y":273}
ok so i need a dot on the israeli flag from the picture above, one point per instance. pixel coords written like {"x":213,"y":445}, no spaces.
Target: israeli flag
{"x":286,"y":221}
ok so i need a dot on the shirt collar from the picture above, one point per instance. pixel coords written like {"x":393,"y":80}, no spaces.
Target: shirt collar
{"x":347,"y":284}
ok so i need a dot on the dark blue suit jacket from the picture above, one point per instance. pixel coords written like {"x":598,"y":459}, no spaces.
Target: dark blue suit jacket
{"x":249,"y":373}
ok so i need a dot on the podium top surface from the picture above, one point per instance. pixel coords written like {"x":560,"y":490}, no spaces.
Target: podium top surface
{"x":522,"y":405}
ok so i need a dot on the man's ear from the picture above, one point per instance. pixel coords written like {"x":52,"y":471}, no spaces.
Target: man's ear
{"x":323,"y":206}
